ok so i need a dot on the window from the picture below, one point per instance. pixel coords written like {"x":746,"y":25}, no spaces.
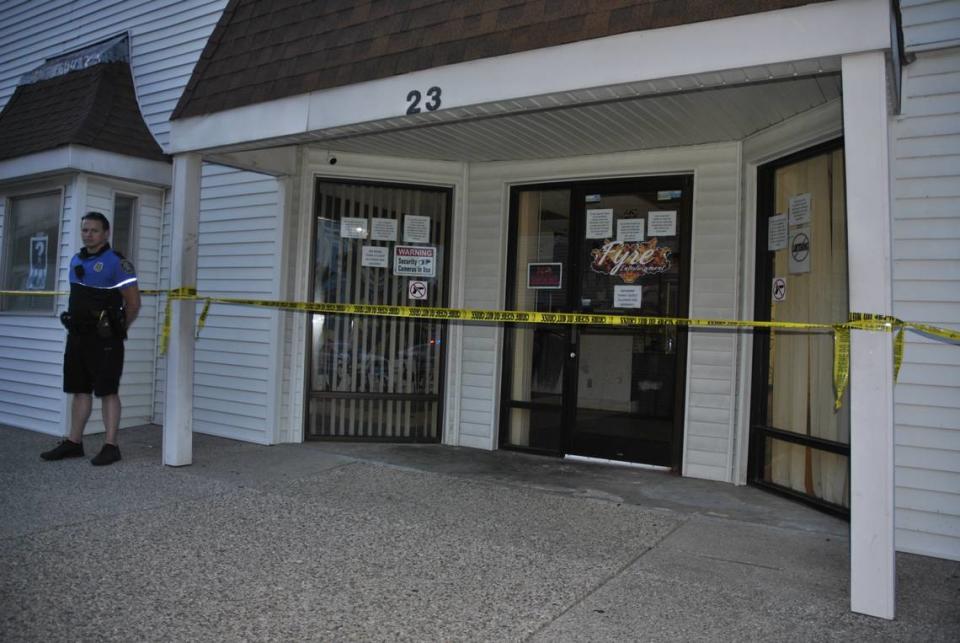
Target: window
{"x":124,"y":228}
{"x":31,"y":238}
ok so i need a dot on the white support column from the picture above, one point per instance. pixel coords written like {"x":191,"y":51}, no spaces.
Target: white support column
{"x":865,"y":121}
{"x":178,"y":407}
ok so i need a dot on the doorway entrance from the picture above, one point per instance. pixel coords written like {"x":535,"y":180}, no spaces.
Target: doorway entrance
{"x":611,"y":247}
{"x":800,"y":444}
{"x":378,"y":378}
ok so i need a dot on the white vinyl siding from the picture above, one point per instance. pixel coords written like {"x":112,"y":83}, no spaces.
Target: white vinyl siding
{"x":240,"y":222}
{"x":166,"y":38}
{"x":484,"y":273}
{"x":926,"y":288}
{"x":711,"y":365}
{"x":136,"y":392}
{"x":295,"y":273}
{"x":31,"y":346}
{"x":163,"y":283}
{"x":930,"y":24}
{"x":238,"y":257}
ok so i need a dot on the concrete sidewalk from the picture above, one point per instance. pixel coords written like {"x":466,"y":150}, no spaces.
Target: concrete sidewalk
{"x":332,"y":541}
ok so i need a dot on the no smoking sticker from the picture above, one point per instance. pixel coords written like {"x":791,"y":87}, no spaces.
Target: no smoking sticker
{"x":416,"y":289}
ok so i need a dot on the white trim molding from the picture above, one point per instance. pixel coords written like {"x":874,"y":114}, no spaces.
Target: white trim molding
{"x":866,"y":123}
{"x":184,"y":244}
{"x":77,"y":158}
{"x":819,"y":125}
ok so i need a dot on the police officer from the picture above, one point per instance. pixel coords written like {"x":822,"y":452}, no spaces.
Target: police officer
{"x":104,"y":301}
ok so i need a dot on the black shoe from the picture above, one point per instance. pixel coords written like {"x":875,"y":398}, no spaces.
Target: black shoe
{"x":66,"y":449}
{"x":109,"y":454}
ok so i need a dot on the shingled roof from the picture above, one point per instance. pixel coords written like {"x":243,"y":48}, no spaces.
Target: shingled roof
{"x":95,"y":107}
{"x":260,"y":51}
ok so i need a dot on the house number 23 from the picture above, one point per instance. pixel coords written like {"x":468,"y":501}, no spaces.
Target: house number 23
{"x":414,"y":98}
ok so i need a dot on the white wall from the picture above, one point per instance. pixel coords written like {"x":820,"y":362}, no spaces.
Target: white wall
{"x":166,"y":38}
{"x":235,"y":367}
{"x":930,"y":24}
{"x":31,"y":346}
{"x":136,"y":392}
{"x":926,"y":288}
{"x":711,"y":372}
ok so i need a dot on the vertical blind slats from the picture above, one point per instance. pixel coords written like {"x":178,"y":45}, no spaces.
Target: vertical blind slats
{"x":363,"y":355}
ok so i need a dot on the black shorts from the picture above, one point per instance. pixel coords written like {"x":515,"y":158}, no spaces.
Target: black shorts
{"x":92,"y":365}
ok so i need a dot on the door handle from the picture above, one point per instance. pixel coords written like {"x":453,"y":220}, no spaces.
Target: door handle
{"x":572,"y":355}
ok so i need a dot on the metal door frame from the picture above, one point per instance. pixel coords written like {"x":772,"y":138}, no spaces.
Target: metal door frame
{"x":759,"y":430}
{"x":684,"y":181}
{"x":440,"y":396}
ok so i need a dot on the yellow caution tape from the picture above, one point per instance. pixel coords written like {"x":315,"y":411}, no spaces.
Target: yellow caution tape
{"x":841,"y":332}
{"x":897,"y":353}
{"x":841,"y":363}
{"x":183,"y":293}
{"x":165,"y":329}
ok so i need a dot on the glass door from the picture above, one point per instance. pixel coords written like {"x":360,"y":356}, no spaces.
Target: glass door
{"x":616,"y":247}
{"x":378,"y":378}
{"x":799,"y":443}
{"x":633,"y":257}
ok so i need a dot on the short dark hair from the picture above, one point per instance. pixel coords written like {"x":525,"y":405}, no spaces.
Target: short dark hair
{"x":97,"y":216}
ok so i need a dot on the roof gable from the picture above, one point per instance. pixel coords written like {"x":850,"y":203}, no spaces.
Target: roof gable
{"x":262,"y":51}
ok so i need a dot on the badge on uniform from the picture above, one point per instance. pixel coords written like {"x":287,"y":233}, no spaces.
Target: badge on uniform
{"x":126,"y":266}
{"x":97,"y":267}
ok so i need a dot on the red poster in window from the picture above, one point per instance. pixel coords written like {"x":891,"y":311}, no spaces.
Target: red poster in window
{"x":545,"y":275}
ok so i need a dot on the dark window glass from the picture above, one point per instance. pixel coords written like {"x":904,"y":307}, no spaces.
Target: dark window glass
{"x":31,"y":238}
{"x":122,"y":230}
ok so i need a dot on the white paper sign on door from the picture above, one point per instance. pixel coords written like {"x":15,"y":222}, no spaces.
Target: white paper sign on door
{"x":383,"y":229}
{"x":630,"y":230}
{"x":662,"y":223}
{"x":800,"y":249}
{"x":416,"y":229}
{"x":800,"y":209}
{"x":627,"y":296}
{"x":777,"y":232}
{"x":353,"y":228}
{"x":600,"y":223}
{"x":375,"y":257}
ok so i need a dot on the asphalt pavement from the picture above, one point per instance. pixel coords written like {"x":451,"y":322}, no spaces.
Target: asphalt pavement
{"x":345,"y":541}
